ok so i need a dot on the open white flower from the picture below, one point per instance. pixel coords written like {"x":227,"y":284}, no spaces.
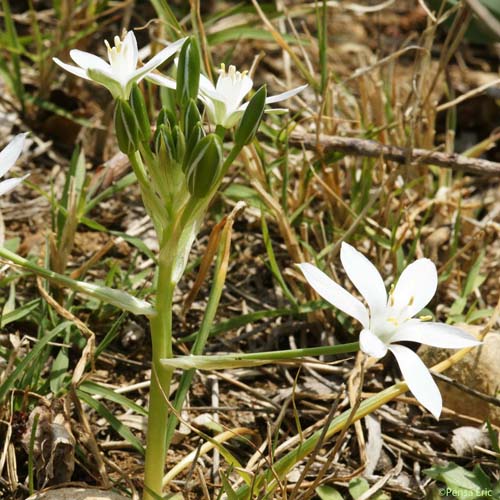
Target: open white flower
{"x":8,"y":156}
{"x":121,"y":72}
{"x":389,"y":320}
{"x":224,"y":100}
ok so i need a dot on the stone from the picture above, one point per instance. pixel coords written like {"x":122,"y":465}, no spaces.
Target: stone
{"x":77,"y":494}
{"x":479,"y":370}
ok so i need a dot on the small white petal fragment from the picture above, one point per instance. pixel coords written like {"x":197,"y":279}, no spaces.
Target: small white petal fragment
{"x":334,"y":293}
{"x":371,"y":344}
{"x":419,"y":379}
{"x":11,"y":152}
{"x":285,"y":95}
{"x":364,"y":276}
{"x":434,"y":334}
{"x":416,"y":286}
{"x":10,"y":184}
{"x":162,"y":80}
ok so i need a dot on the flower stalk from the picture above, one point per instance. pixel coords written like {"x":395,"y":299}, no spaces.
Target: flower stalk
{"x":161,"y":339}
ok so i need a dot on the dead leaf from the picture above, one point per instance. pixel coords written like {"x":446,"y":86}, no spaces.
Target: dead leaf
{"x":466,"y":438}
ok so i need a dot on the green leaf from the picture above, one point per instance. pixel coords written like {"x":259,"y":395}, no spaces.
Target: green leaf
{"x":358,"y":486}
{"x":227,"y":488}
{"x":462,"y":482}
{"x":326,"y":492}
{"x":19,"y":313}
{"x":59,"y":371}
{"x":92,"y":388}
{"x":30,"y":358}
{"x":251,"y":118}
{"x":118,"y":426}
{"x":118,"y":298}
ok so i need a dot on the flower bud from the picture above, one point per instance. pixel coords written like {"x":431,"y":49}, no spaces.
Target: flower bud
{"x":188,"y":72}
{"x":126,"y":128}
{"x":196,"y":135}
{"x":179,"y":142}
{"x":191,"y":117}
{"x":164,"y":145}
{"x":204,"y":165}
{"x":251,"y":118}
{"x":138,"y":106}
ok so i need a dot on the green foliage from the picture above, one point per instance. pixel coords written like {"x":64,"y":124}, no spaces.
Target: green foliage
{"x":463,"y":483}
{"x":251,"y":118}
{"x":188,"y":73}
{"x":204,"y":165}
{"x":326,"y":492}
{"x":126,"y":127}
{"x":138,"y":106}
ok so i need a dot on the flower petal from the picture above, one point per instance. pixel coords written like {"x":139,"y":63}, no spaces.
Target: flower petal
{"x":418,"y":378}
{"x":86,"y":60}
{"x":206,"y":85}
{"x":130,"y":50}
{"x":10,"y":184}
{"x":161,"y":80}
{"x":285,"y":95}
{"x":434,"y":334}
{"x":371,"y":344}
{"x":416,"y":287}
{"x":11,"y":152}
{"x":334,"y":293}
{"x":72,"y":69}
{"x":158,"y":59}
{"x":365,"y":277}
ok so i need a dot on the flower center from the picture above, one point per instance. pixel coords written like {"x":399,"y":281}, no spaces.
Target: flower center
{"x":117,"y":56}
{"x":234,"y":76}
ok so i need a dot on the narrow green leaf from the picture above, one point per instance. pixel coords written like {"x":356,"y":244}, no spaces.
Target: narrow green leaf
{"x":118,"y":426}
{"x":33,"y":355}
{"x":93,"y":388}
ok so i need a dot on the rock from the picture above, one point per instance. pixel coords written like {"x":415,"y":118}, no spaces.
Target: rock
{"x":479,"y":370}
{"x":77,"y":494}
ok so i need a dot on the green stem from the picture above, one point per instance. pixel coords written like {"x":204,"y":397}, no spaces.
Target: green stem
{"x":202,"y":337}
{"x":161,"y":338}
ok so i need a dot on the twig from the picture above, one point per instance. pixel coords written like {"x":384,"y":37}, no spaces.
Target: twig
{"x":374,"y":149}
{"x":465,"y":388}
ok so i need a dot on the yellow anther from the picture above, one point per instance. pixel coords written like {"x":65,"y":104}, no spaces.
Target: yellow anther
{"x":412,"y":299}
{"x":425,"y":318}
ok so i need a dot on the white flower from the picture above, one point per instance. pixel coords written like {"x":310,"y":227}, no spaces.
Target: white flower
{"x":224,"y":100}
{"x":8,"y":157}
{"x":121,"y":72}
{"x":388,"y":320}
